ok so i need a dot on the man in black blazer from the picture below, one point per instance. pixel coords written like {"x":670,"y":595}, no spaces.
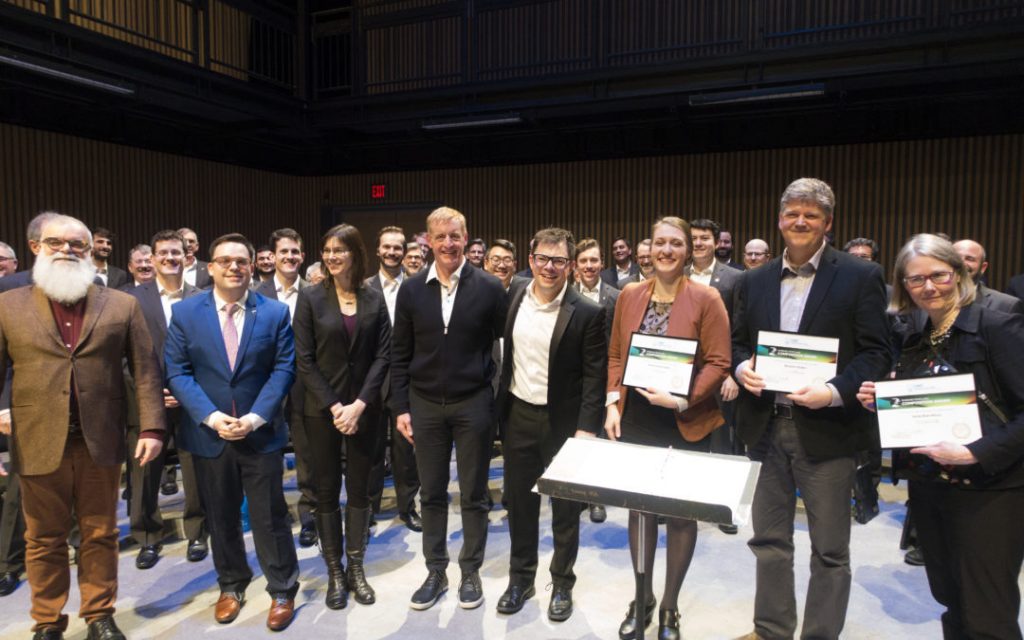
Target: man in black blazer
{"x":388,"y":280}
{"x":103,"y":246}
{"x":197,"y":272}
{"x":807,"y":440}
{"x":284,"y":286}
{"x":1016,"y":286}
{"x":156,"y":299}
{"x":446,"y":320}
{"x":623,"y":266}
{"x":976,"y":262}
{"x":552,"y":388}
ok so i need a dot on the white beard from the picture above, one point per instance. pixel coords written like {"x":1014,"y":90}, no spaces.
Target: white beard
{"x":65,"y":280}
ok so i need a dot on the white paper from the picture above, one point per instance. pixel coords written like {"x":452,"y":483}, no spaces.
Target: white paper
{"x":680,"y":475}
{"x":658,"y":362}
{"x":791,"y":361}
{"x":922,"y":411}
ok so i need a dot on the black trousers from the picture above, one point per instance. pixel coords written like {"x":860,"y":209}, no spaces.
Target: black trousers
{"x":973,"y":549}
{"x":326,"y":444}
{"x":403,"y":466}
{"x":223,"y":481}
{"x":12,"y":527}
{"x":469,"y":426}
{"x":528,"y":449}
{"x":294,"y":409}
{"x":147,"y":524}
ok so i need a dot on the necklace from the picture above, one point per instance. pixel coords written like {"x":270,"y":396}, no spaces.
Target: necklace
{"x":941,"y":332}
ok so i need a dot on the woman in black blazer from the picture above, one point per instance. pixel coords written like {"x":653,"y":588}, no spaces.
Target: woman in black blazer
{"x":967,"y":499}
{"x":342,"y":350}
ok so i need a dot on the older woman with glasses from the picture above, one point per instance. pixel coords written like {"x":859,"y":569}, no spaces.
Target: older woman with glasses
{"x":967,"y":500}
{"x":667,"y":304}
{"x":342,"y":347}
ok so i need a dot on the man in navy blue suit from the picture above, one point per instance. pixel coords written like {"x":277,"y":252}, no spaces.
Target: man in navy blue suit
{"x":230,"y":360}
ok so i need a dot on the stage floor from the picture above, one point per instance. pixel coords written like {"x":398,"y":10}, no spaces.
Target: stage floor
{"x":174,"y":600}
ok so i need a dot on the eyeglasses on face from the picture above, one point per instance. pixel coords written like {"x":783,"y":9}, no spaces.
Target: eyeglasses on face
{"x":542,"y":260}
{"x":331,"y":251}
{"x":56,"y":244}
{"x":499,"y":260}
{"x":755,"y":254}
{"x":225,"y":262}
{"x":937,"y":277}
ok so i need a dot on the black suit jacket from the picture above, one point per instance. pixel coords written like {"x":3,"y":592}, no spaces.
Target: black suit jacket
{"x":332,"y":365}
{"x":611,"y":274}
{"x":1016,"y":287}
{"x":577,"y":366}
{"x":992,"y":299}
{"x":117,"y":277}
{"x":846,"y":301}
{"x":445,"y":365}
{"x":203,"y":279}
{"x":725,"y":280}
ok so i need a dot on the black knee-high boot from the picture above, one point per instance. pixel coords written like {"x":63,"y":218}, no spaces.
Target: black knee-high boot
{"x":357,"y":521}
{"x":328,"y":527}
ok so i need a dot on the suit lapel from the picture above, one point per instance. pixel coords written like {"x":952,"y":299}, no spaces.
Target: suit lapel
{"x":213,"y":325}
{"x":822,"y":281}
{"x":773,"y":276}
{"x":46,"y":321}
{"x":565,"y":311}
{"x":362,"y":310}
{"x":334,"y":311}
{"x":94,"y":302}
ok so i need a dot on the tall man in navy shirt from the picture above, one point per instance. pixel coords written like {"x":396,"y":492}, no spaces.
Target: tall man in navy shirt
{"x":446,"y":320}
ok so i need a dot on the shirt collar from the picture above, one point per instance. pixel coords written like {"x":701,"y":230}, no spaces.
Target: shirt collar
{"x":810,"y":267}
{"x":279,"y":286}
{"x":454,"y":278}
{"x":585,"y":289}
{"x":703,"y":272}
{"x":546,"y":306}
{"x":180,"y":293}
{"x":221,"y":303}
{"x":387,"y":280}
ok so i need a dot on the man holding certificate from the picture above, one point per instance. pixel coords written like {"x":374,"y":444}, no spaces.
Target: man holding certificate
{"x":552,"y":388}
{"x":958,"y":401}
{"x":806,"y":426}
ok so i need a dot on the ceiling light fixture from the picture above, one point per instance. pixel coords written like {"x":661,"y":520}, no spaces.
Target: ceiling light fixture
{"x":42,"y":69}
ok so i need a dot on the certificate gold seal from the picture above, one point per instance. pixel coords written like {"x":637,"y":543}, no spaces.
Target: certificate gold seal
{"x":961,"y":430}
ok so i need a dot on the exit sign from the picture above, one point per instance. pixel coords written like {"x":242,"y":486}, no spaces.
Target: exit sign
{"x":377,"y":191}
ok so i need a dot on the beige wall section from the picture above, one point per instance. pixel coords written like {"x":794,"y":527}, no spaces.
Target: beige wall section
{"x":887,"y":191}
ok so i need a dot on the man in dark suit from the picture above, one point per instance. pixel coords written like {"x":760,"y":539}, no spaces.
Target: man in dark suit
{"x":157,"y":299}
{"x":623,"y":265}
{"x":1016,"y":286}
{"x":388,"y":280}
{"x":807,"y":441}
{"x":552,"y":388}
{"x":976,"y":262}
{"x":65,"y":338}
{"x":643,"y":260}
{"x":705,"y":269}
{"x":446,"y":321}
{"x":724,"y":249}
{"x":103,"y":246}
{"x":197,"y":272}
{"x":140,"y":266}
{"x":284,"y":285}
{"x":230,"y":359}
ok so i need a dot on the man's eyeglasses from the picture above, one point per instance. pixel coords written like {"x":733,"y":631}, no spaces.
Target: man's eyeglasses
{"x":56,"y":244}
{"x":755,"y":254}
{"x":937,"y":277}
{"x":225,"y":262}
{"x":542,"y":260}
{"x":508,"y":261}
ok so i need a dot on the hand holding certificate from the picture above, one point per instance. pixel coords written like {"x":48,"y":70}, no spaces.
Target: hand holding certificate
{"x":791,"y":361}
{"x":924,"y":411}
{"x":659,"y":362}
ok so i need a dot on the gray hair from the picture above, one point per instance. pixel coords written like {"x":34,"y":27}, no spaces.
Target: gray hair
{"x":35,"y":225}
{"x":810,"y":190}
{"x":312,"y":269}
{"x":143,"y":249}
{"x":6,"y":247}
{"x":928,"y":246}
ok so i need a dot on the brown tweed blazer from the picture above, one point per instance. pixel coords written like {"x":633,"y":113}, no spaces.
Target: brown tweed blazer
{"x":113,"y":329}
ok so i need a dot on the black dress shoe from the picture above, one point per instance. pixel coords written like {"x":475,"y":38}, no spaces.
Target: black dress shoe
{"x":169,"y":488}
{"x":515,"y":597}
{"x":104,"y":629}
{"x":148,"y":556}
{"x":8,"y":583}
{"x":668,"y":624}
{"x":48,"y":633}
{"x":729,"y":529}
{"x":197,"y":550}
{"x":560,"y":607}
{"x":471,"y":592}
{"x":307,"y":535}
{"x":598,"y":513}
{"x":430,"y":591}
{"x":914,"y":557}
{"x":627,"y":630}
{"x":412,"y":520}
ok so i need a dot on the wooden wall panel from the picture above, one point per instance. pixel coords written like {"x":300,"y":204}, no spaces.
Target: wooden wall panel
{"x":887,"y":191}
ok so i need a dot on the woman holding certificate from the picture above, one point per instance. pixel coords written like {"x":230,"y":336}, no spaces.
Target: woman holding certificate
{"x":668,"y":305}
{"x":342,"y":352}
{"x":967,"y":499}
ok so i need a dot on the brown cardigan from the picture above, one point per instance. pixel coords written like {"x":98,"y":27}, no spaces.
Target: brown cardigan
{"x":697,"y":313}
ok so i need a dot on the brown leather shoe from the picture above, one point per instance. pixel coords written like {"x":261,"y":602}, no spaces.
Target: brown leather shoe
{"x":281,"y":613}
{"x":228,"y":606}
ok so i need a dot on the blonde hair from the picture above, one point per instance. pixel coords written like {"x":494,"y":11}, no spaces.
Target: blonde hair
{"x":929,"y":246}
{"x":442,"y":215}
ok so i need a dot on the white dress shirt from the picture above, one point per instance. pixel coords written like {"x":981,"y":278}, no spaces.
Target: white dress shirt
{"x":170,"y":298}
{"x":531,"y":337}
{"x":390,"y":286}
{"x":255,"y":419}
{"x":288,"y":294}
{"x":594,"y":294}
{"x":190,"y":273}
{"x":447,"y":293}
{"x":703,"y":276}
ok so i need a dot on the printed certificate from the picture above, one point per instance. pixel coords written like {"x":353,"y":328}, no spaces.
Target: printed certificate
{"x":659,"y":362}
{"x":791,"y":361}
{"x":923,"y":411}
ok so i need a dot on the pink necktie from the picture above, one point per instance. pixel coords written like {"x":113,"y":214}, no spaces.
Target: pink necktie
{"x":231,"y":334}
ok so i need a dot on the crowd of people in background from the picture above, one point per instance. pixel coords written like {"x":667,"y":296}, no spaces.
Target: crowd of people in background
{"x":366,"y":365}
